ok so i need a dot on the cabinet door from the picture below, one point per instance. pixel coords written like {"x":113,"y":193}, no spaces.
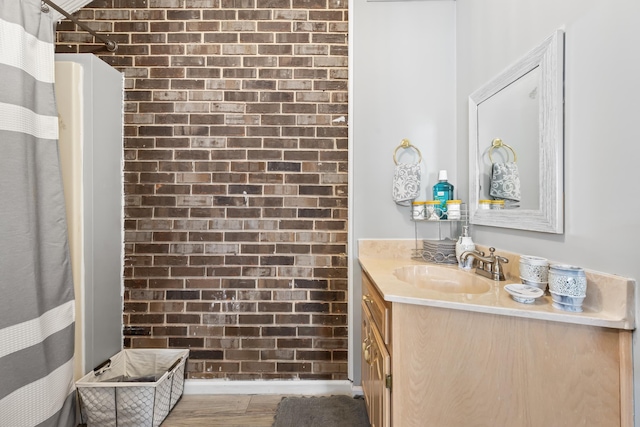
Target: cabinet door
{"x":380,"y":398}
{"x":379,"y":309}
{"x":366,"y":351}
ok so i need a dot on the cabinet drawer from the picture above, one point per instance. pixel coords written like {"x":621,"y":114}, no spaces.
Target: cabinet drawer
{"x":379,"y":308}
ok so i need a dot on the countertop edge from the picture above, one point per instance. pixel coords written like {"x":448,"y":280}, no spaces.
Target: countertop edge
{"x":380,"y":270}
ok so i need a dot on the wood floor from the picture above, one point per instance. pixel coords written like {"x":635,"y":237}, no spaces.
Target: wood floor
{"x":224,"y":410}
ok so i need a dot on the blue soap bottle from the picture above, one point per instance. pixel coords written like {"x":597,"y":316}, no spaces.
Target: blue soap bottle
{"x":442,"y":192}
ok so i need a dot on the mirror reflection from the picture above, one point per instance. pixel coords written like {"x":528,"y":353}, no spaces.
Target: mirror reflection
{"x":516,"y":125}
{"x":511,"y":115}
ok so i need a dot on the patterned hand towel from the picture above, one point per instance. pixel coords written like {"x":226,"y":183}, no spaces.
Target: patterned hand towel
{"x":505,"y":181}
{"x":406,"y":183}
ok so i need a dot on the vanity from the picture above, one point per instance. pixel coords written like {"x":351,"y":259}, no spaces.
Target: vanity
{"x":446,"y":347}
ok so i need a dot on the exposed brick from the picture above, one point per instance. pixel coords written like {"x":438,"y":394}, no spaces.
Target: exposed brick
{"x":136,"y":331}
{"x":183,"y":318}
{"x":293,"y":319}
{"x":257,"y":366}
{"x":191,"y":342}
{"x":148,"y":343}
{"x":166,"y":283}
{"x":225,"y":367}
{"x":235,"y":180}
{"x":255,"y":319}
{"x":275,"y":307}
{"x":206,"y":354}
{"x":315,"y":331}
{"x":276,"y":260}
{"x":202,"y":283}
{"x":204,"y":307}
{"x":183,"y":295}
{"x":146,"y":318}
{"x":241,"y":331}
{"x":278,"y":331}
{"x":187,"y":271}
{"x":294,"y":367}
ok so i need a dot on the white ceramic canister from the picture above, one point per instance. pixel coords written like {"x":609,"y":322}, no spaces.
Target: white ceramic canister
{"x":534,"y":260}
{"x":432,"y":210}
{"x":497,"y":204}
{"x":484,"y":204}
{"x":534,"y":269}
{"x":418,"y":209}
{"x":453,"y":209}
{"x":567,"y":280}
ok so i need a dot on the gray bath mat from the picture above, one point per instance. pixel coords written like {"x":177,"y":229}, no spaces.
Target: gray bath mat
{"x":333,"y":411}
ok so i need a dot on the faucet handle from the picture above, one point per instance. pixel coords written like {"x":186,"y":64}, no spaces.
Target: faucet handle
{"x":502,"y":259}
{"x":498,"y":274}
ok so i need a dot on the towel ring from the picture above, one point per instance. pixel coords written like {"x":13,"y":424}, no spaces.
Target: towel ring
{"x":497,"y":143}
{"x":406,"y":144}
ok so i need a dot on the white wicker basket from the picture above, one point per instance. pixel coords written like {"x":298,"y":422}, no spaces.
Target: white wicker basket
{"x":135,"y":388}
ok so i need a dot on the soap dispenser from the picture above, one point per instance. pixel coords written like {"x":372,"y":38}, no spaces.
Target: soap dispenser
{"x":464,"y":244}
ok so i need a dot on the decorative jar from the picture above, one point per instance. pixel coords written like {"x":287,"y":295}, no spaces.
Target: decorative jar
{"x":567,"y":280}
{"x":433,"y":210}
{"x":497,"y":204}
{"x":418,"y":209}
{"x":484,"y":204}
{"x":453,"y":209}
{"x":534,"y":269}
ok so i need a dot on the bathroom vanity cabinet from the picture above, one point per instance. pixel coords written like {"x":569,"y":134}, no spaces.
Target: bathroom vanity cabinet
{"x":433,"y":365}
{"x":376,"y":357}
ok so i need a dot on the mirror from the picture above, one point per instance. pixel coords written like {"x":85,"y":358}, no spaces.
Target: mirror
{"x":516,"y":125}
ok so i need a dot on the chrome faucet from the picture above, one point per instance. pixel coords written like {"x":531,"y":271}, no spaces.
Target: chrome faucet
{"x":488,"y":266}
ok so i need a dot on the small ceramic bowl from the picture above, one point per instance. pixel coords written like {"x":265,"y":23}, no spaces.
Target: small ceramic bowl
{"x":524,"y":294}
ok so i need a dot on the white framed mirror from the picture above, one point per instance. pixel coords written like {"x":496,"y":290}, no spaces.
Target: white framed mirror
{"x":522,"y":109}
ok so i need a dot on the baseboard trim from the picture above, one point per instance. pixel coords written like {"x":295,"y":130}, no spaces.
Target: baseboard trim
{"x":295,"y":387}
{"x":356,"y":390}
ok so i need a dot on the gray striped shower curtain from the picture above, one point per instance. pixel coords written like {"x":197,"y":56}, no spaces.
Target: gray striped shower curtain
{"x":36,"y":289}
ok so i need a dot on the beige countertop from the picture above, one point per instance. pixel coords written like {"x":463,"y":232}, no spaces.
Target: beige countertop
{"x":609,"y":303}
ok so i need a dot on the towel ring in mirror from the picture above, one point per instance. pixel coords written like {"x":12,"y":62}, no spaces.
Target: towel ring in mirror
{"x":497,"y":143}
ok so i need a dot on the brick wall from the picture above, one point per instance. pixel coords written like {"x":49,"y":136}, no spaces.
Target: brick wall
{"x":235,"y":180}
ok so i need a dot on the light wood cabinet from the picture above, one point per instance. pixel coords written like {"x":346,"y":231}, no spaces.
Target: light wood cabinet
{"x":376,"y":360}
{"x":459,"y":368}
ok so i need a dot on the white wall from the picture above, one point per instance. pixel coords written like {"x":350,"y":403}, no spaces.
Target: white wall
{"x":602,"y":149}
{"x":402,"y":86}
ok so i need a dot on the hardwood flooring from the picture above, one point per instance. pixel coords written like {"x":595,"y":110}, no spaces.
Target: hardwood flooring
{"x":224,"y":410}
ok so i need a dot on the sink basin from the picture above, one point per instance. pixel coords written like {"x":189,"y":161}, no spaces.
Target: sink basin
{"x":443,"y":279}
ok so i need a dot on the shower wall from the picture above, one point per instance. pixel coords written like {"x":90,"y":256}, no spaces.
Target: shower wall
{"x":235,"y":180}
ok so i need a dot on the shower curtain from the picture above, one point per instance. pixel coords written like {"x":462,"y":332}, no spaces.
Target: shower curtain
{"x":36,"y":289}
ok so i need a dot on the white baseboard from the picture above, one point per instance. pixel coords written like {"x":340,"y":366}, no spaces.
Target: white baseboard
{"x":356,"y":390}
{"x":289,"y":387}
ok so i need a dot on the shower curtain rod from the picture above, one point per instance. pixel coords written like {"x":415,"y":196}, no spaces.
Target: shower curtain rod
{"x":110,"y":44}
